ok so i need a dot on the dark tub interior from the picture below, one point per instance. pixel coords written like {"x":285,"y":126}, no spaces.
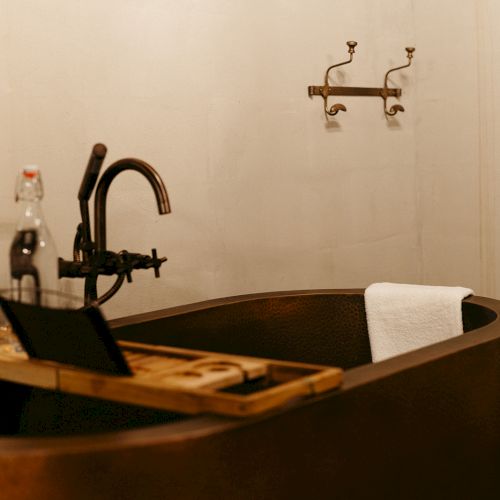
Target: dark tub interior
{"x":321,"y":328}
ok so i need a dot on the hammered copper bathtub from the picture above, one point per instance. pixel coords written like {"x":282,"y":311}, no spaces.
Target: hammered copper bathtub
{"x":422,"y":425}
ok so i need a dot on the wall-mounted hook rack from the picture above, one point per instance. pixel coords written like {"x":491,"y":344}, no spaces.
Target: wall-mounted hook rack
{"x":385,"y":92}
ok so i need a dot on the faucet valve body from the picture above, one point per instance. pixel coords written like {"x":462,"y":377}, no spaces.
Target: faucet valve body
{"x":109,"y":263}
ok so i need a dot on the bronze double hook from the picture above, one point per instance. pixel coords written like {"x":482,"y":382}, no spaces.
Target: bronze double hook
{"x":396,"y":107}
{"x":326,"y":88}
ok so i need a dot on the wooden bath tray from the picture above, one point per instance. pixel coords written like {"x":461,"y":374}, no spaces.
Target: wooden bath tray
{"x":181,"y":380}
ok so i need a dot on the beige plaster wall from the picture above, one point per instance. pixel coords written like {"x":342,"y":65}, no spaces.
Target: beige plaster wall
{"x":447,"y":152}
{"x":266,"y":195}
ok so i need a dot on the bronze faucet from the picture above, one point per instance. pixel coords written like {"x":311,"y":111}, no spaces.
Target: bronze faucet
{"x":102,"y":191}
{"x":91,"y":259}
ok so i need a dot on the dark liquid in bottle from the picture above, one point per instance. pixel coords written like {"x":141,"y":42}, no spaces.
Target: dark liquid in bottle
{"x":23,"y":272}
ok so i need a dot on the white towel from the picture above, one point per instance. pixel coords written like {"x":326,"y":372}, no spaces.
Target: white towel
{"x":402,"y":318}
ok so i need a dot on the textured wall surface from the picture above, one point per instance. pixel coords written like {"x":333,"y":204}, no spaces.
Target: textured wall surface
{"x":266,"y":194}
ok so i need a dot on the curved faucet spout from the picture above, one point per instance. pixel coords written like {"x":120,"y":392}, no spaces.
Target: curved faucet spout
{"x":103,"y":186}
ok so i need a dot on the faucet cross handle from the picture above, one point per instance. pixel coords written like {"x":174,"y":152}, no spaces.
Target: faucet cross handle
{"x":157,"y":262}
{"x":130,"y":261}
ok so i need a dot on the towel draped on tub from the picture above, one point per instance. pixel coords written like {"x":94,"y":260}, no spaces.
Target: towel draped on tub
{"x":403,"y":317}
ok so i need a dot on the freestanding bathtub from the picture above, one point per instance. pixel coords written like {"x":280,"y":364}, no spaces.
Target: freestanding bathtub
{"x":421,"y":425}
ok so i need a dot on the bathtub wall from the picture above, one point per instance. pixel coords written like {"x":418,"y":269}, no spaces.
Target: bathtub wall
{"x":266,"y":194}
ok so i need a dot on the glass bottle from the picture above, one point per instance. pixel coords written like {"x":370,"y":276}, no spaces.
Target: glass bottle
{"x":34,"y":265}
